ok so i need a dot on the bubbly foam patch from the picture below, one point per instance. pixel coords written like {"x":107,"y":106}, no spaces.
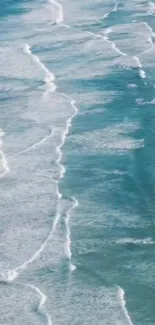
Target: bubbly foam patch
{"x":113,"y":138}
{"x":8,"y":276}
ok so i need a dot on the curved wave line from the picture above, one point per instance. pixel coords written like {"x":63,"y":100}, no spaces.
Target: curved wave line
{"x":38,"y":143}
{"x":3,"y":161}
{"x":49,"y":77}
{"x":68,"y":233}
{"x":121,"y":295}
{"x":12,"y":274}
{"x":142,"y":73}
{"x":43,"y":299}
{"x":107,"y":14}
{"x":4,"y":164}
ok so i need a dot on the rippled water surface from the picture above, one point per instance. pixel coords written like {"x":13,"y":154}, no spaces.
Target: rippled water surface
{"x":77,"y":162}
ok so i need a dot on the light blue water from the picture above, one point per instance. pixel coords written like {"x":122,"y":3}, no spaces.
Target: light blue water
{"x":77,"y":96}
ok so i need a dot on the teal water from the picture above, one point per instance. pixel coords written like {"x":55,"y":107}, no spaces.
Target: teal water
{"x":77,"y":96}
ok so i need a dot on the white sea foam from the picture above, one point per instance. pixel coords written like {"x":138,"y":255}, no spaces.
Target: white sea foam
{"x":43,"y":299}
{"x":8,"y":276}
{"x":61,"y":169}
{"x":68,"y":233}
{"x":49,"y":77}
{"x":109,"y":12}
{"x":145,"y":241}
{"x":113,"y":44}
{"x":151,"y":8}
{"x":104,"y":16}
{"x":115,"y":6}
{"x":4,"y":168}
{"x":117,"y":49}
{"x":60,"y":16}
{"x":121,"y":295}
{"x":59,"y":195}
{"x":149,"y":28}
{"x":139,"y":65}
{"x":36,"y":144}
{"x":109,"y":139}
{"x":142,"y":73}
{"x":152,"y":34}
{"x":108,"y":31}
{"x":64,"y":134}
{"x":132,"y":86}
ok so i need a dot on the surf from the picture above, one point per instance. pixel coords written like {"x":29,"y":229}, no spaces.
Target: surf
{"x":3,"y":161}
{"x":121,"y":294}
{"x":11,"y":275}
{"x":60,"y":15}
{"x":68,"y":233}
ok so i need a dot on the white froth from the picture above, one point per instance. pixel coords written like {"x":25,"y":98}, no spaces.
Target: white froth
{"x":60,"y":17}
{"x":139,"y":65}
{"x":110,"y":139}
{"x":142,"y":73}
{"x":115,"y":5}
{"x":8,"y":276}
{"x":132,"y":86}
{"x":36,"y":144}
{"x":72,"y":267}
{"x":68,"y":233}
{"x":107,"y":14}
{"x":42,"y":301}
{"x":151,"y":8}
{"x":121,"y":295}
{"x":49,"y":76}
{"x":145,"y":241}
{"x":4,"y":168}
{"x":114,"y":46}
{"x":149,"y":29}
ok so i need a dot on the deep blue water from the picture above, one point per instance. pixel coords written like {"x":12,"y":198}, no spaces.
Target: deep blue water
{"x":77,"y":225}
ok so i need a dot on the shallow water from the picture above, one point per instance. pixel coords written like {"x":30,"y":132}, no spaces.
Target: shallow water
{"x":77,"y":95}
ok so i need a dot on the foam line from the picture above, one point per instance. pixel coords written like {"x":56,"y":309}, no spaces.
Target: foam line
{"x":49,"y":77}
{"x":42,"y":302}
{"x":145,"y":241}
{"x":139,"y":65}
{"x":115,"y":6}
{"x":149,"y":28}
{"x":12,"y":274}
{"x":108,"y":31}
{"x":4,"y":164}
{"x":149,"y":38}
{"x":3,"y":161}
{"x":35,"y":256}
{"x":121,"y":295}
{"x":34,"y":145}
{"x":43,"y":299}
{"x":142,"y":73}
{"x":108,"y":13}
{"x":60,"y":17}
{"x":68,"y":233}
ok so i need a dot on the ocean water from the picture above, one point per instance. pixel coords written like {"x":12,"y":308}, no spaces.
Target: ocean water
{"x":77,"y":161}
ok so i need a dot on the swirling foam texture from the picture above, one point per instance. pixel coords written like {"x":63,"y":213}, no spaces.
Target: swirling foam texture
{"x":77,"y":89}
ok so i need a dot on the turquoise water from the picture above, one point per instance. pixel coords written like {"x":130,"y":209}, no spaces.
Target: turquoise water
{"x":77,"y":96}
